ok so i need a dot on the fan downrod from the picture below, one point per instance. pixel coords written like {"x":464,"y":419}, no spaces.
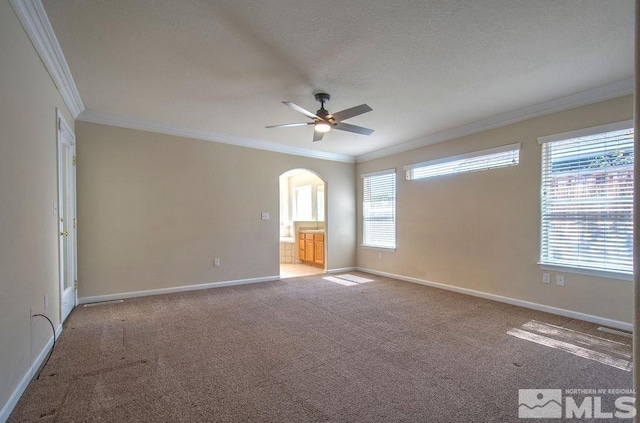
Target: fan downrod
{"x":322,"y":113}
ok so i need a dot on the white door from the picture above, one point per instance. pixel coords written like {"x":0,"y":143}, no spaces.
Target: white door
{"x":67,"y":217}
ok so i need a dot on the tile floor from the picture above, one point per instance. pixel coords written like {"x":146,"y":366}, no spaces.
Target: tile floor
{"x":295,"y":270}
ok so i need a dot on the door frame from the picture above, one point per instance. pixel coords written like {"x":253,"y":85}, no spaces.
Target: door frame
{"x":63,"y":130}
{"x":325,"y":184}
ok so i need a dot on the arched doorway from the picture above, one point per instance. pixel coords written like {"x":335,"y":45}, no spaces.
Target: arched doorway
{"x":303,"y":246}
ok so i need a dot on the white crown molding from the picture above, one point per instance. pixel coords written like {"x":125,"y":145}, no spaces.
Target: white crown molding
{"x":33,"y":17}
{"x":36,"y":24}
{"x":584,"y":98}
{"x":111,"y":119}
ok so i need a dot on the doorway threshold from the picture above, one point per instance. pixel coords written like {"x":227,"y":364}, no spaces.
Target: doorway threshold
{"x":296,"y":270}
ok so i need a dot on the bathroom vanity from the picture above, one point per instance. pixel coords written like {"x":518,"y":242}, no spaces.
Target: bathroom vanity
{"x":311,"y":246}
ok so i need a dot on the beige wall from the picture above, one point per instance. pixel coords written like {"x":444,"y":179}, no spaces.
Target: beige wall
{"x":481,"y":230}
{"x":155,"y":210}
{"x":28,"y":189}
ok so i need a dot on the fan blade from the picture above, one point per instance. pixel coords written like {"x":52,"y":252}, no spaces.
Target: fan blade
{"x":349,"y":113}
{"x":317,"y":136}
{"x":353,"y":128}
{"x":297,"y":108}
{"x":288,"y":125}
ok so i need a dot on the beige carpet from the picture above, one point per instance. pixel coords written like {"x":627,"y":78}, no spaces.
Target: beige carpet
{"x":315,"y":349}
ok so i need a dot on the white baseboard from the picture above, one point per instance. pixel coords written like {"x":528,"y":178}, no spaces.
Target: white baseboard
{"x":508,"y":300}
{"x":341,"y":270}
{"x":22,"y":386}
{"x":8,"y":407}
{"x":184,"y":288}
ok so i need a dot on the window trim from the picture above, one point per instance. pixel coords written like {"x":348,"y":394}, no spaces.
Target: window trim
{"x":372,"y":247}
{"x":600,"y":273}
{"x":470,"y":155}
{"x":378,"y":247}
{"x":584,"y":132}
{"x":320,"y":199}
{"x":378,"y":173}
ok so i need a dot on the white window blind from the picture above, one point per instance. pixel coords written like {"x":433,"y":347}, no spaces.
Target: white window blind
{"x":504,"y":156}
{"x":587,"y":201}
{"x":379,"y":210}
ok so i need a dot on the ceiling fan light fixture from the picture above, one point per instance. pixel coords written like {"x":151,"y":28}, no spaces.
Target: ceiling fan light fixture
{"x":322,"y":127}
{"x":323,"y":121}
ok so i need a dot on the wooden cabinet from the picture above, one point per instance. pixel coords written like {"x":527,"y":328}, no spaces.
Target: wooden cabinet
{"x":318,"y":249}
{"x":301,"y":248}
{"x":308,"y":247}
{"x":311,"y":248}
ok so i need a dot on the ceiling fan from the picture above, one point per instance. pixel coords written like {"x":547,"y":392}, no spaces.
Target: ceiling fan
{"x":323,"y":121}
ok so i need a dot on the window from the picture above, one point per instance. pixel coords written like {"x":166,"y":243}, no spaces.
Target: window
{"x":379,"y":210}
{"x":302,"y":203}
{"x":320,"y":203}
{"x":504,"y":156}
{"x":587,"y":199}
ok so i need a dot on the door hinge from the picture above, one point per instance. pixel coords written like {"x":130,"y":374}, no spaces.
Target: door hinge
{"x":74,"y":160}
{"x":75,"y":222}
{"x":75,"y":284}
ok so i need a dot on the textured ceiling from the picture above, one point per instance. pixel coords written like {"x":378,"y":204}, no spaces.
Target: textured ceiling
{"x":224,"y":66}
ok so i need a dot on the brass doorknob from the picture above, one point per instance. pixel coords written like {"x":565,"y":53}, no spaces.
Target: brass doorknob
{"x":65,"y":233}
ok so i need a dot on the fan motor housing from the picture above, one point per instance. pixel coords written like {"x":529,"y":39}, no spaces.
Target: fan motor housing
{"x":322,"y":113}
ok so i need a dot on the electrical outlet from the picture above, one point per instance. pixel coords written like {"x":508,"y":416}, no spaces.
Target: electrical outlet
{"x":216,"y":262}
{"x":546,"y":278}
{"x":265,"y":216}
{"x":380,"y":254}
{"x":560,"y":280}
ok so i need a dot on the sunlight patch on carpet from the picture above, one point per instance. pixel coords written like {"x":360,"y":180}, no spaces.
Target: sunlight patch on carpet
{"x":354,"y":278}
{"x":605,"y":351}
{"x":347,"y":279}
{"x":338,"y":280}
